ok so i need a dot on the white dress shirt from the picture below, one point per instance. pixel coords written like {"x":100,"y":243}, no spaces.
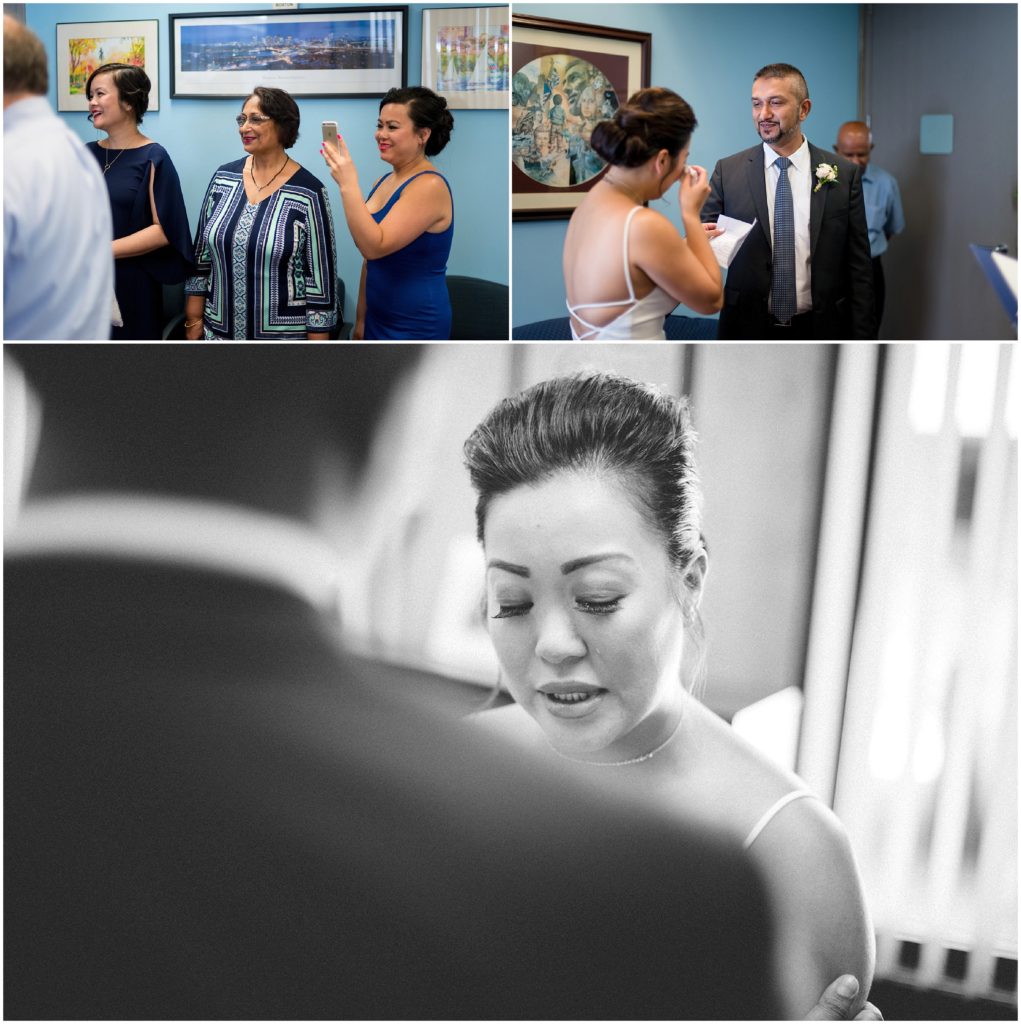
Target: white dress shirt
{"x":58,"y":231}
{"x":800,"y":176}
{"x":182,"y":531}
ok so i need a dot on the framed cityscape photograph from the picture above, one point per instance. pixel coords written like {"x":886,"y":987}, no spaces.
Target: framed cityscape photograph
{"x":331,"y":51}
{"x":567,"y":77}
{"x":83,"y":46}
{"x":466,"y":56}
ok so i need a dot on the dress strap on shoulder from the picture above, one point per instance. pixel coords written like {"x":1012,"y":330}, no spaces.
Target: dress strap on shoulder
{"x":772,"y":813}
{"x":627,"y":261}
{"x":372,"y":191}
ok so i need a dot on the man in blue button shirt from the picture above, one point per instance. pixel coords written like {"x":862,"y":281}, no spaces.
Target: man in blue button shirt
{"x":883,"y":210}
{"x":58,"y":232}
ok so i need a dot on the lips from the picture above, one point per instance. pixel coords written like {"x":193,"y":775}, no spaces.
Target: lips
{"x":570,"y":698}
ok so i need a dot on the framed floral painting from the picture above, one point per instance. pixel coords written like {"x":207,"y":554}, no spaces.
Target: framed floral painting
{"x":83,"y":46}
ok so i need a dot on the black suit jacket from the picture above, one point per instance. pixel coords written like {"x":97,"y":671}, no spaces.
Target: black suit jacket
{"x":843,"y":303}
{"x":212,"y":812}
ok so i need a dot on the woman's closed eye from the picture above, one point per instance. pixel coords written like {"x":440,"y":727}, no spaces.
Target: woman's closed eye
{"x":598,"y":606}
{"x":589,"y":605}
{"x":509,"y":610}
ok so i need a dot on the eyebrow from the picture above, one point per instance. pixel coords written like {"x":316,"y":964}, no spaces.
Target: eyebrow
{"x":580,"y":563}
{"x":567,"y":568}
{"x":518,"y":570}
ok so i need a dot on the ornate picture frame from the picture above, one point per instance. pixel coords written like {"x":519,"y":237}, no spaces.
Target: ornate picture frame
{"x":314,"y":51}
{"x":466,"y":56}
{"x":566,"y":76}
{"x":82,"y":46}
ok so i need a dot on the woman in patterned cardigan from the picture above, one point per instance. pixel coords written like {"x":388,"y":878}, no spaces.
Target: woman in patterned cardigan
{"x":265,"y":248}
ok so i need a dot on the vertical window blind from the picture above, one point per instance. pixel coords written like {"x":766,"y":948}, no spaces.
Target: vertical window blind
{"x":926,"y":778}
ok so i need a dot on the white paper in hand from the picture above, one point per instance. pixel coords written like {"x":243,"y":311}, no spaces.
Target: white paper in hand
{"x":725,"y":246}
{"x":115,"y":312}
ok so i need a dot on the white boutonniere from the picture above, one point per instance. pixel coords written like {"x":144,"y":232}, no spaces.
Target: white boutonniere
{"x":827,"y":175}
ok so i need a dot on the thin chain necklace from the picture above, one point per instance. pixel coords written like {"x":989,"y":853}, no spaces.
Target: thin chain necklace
{"x":623,"y":188}
{"x":251,"y":174}
{"x":108,"y":163}
{"x":631,"y":760}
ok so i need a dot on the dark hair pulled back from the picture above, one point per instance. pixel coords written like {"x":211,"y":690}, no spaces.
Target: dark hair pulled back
{"x":133,"y":86}
{"x":596,"y":422}
{"x":426,"y":110}
{"x":652,"y":119}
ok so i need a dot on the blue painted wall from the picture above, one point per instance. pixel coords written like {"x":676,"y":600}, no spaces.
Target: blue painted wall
{"x":200,"y":135}
{"x":708,"y":53}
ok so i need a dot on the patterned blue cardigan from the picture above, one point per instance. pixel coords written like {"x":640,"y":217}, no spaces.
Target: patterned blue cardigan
{"x":268,"y":271}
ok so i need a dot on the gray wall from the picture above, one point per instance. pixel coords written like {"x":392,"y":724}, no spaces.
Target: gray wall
{"x":958,"y":59}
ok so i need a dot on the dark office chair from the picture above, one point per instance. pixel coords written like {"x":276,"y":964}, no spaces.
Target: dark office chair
{"x":677,"y":328}
{"x":481,"y":309}
{"x":173,"y":312}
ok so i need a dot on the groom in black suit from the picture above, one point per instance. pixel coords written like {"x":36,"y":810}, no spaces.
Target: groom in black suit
{"x":804,"y":271}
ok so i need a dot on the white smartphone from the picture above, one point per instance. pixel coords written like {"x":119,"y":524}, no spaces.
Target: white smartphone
{"x":330,"y":133}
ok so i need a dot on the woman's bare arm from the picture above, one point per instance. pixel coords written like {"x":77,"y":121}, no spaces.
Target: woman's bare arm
{"x":675,"y":264}
{"x":425,"y":206}
{"x":823,"y":925}
{"x":138,"y":243}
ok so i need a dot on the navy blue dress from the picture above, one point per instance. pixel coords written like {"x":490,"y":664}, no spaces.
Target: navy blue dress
{"x":139,"y":280}
{"x":406,"y":292}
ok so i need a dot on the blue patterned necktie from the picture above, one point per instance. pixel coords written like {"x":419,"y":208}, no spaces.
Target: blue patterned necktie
{"x":785,"y":297}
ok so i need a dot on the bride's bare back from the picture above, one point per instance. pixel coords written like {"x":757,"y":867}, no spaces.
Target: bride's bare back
{"x":658,"y":257}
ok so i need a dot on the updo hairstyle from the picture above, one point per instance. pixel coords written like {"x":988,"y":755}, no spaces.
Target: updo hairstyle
{"x":280,"y":106}
{"x":651,"y":120}
{"x":133,"y":86}
{"x":426,"y":110}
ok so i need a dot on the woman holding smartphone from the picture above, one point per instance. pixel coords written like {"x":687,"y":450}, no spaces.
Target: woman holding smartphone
{"x":405,"y":226}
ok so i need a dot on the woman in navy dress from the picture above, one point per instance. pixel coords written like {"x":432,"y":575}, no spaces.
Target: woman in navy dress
{"x":265,"y":250}
{"x":152,"y":240}
{"x":406,"y":224}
